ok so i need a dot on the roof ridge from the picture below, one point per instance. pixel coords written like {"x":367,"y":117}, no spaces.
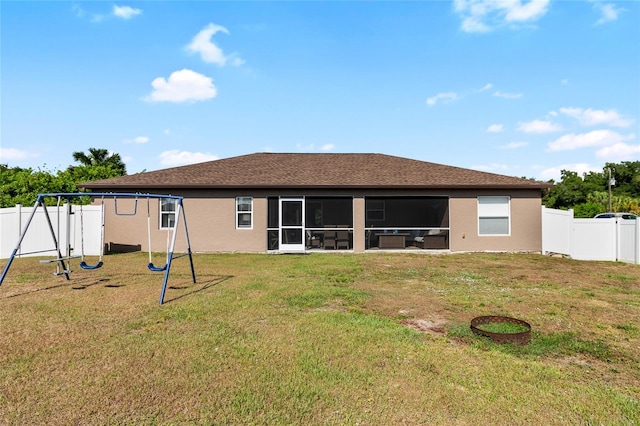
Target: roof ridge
{"x":316,"y":170}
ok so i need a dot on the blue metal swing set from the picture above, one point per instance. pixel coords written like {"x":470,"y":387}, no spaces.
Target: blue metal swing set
{"x":63,"y":261}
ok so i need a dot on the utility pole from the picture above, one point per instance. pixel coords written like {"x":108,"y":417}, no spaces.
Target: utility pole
{"x":609,"y":183}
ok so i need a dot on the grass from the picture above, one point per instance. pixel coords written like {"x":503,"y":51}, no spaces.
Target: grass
{"x":503,"y":327}
{"x":335,"y":339}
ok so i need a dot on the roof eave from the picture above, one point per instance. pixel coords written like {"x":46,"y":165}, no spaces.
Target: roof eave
{"x":413,"y":187}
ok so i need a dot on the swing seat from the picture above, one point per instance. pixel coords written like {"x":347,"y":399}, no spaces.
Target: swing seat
{"x":84,"y":265}
{"x":155,"y":268}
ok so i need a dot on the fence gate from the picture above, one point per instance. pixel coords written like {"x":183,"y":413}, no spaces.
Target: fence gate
{"x":611,"y":239}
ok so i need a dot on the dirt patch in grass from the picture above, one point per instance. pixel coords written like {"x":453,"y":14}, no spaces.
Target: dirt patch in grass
{"x":435,"y":328}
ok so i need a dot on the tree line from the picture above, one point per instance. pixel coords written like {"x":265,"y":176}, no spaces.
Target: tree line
{"x":616,"y":188}
{"x":22,"y":185}
{"x":587,"y":195}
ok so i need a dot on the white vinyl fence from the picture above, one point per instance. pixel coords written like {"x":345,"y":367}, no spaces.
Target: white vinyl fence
{"x":590,"y":239}
{"x":85,"y":225}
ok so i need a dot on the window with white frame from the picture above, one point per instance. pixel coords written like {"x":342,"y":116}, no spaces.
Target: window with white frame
{"x":167,"y":213}
{"x":494,"y":215}
{"x":244,"y":212}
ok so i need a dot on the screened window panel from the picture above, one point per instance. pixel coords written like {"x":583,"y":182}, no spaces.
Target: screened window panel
{"x":292,"y":236}
{"x":291,"y":213}
{"x":406,"y":212}
{"x":244,"y":204}
{"x":273,"y":212}
{"x":168,"y":220}
{"x":244,"y":220}
{"x":493,"y":206}
{"x":168,"y":205}
{"x":494,"y":226}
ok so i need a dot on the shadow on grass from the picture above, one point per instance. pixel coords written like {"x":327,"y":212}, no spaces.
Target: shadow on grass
{"x":183,"y":283}
{"x":203,"y":283}
{"x":75,"y":284}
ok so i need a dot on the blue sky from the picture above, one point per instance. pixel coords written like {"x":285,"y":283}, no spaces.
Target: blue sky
{"x":522,"y":88}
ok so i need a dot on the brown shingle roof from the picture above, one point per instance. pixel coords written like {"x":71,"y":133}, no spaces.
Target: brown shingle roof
{"x":275,"y":170}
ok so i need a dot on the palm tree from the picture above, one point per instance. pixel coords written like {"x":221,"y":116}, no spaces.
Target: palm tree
{"x":101,"y":157}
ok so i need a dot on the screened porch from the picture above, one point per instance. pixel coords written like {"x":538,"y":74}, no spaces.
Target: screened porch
{"x":396,"y":223}
{"x":327,"y":223}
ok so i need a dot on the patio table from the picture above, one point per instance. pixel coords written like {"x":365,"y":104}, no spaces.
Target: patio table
{"x":392,"y":241}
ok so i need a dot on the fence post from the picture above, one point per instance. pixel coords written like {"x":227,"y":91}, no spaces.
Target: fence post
{"x":637,"y":240}
{"x":544,"y":236}
{"x":618,"y":238}
{"x":571,"y":234}
{"x":19,"y":228}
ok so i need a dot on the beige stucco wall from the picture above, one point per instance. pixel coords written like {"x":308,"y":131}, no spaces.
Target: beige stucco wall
{"x":526,"y":223}
{"x":211,"y":221}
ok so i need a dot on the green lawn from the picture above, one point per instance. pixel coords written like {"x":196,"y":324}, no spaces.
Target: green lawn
{"x":331,"y":339}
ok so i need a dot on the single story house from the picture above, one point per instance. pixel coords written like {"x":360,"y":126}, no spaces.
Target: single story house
{"x":287,"y":202}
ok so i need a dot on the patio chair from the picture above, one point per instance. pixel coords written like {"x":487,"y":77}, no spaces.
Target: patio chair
{"x":431,"y":239}
{"x":330,"y":239}
{"x":342,"y":237}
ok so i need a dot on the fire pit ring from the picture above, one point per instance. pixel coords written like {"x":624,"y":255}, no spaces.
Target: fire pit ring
{"x":519,"y":338}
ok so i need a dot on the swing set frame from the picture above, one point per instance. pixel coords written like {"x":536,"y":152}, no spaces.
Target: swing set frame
{"x":63,"y":260}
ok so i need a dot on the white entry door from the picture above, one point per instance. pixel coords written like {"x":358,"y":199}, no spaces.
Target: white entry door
{"x":292,"y":224}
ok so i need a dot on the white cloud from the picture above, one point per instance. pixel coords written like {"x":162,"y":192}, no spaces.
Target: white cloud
{"x":493,"y":167}
{"x":446,"y":97}
{"x":312,"y":147}
{"x":591,"y":117}
{"x":619,"y":152}
{"x":122,"y":12}
{"x":79,"y":11}
{"x":13,"y":154}
{"x":473,"y":24}
{"x":125,"y":12}
{"x":538,"y":126}
{"x":555,"y":172}
{"x":495,"y":128}
{"x":236,"y":60}
{"x":176,"y":157}
{"x":486,"y":87}
{"x":138,"y":139}
{"x":592,"y":139}
{"x":514,"y":145}
{"x":608,"y":12}
{"x":564,"y":81}
{"x":209,"y":51}
{"x":183,"y":86}
{"x":504,"y":95}
{"x":518,"y":11}
{"x":481,"y":16}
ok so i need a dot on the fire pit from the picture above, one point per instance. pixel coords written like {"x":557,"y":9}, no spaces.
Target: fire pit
{"x":502,"y":329}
